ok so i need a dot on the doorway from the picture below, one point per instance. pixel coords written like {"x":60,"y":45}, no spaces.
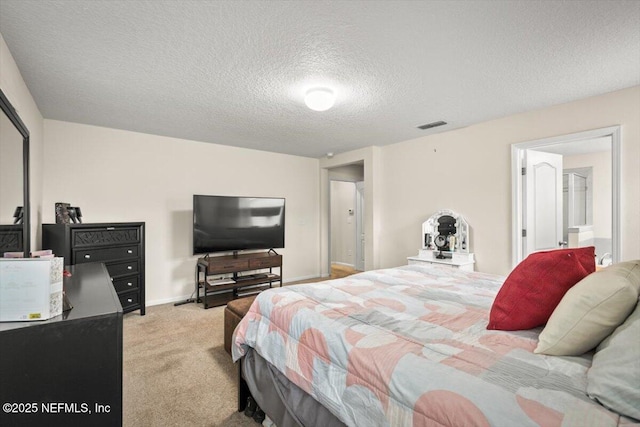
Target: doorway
{"x":548,"y":214}
{"x":346,"y":218}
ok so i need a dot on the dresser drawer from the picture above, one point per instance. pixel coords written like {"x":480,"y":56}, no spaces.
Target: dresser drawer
{"x":107,"y":236}
{"x":227,"y":266}
{"x":126,"y":285}
{"x":129,"y":299}
{"x":107,"y":254}
{"x":116,"y":269}
{"x":271,"y":261}
{"x":120,"y":246}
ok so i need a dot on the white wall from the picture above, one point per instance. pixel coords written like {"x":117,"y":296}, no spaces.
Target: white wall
{"x":469,"y":170}
{"x":119,"y":176}
{"x":18,"y":94}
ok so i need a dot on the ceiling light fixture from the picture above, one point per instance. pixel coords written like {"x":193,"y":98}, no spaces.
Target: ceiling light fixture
{"x":320,"y":99}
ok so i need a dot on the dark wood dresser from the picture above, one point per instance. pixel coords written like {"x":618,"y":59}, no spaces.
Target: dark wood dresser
{"x":119,"y":245}
{"x":66,"y":371}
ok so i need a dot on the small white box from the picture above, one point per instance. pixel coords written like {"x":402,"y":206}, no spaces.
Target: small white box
{"x":30,"y":288}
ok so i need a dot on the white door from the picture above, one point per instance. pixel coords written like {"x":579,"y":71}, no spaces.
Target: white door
{"x":543,"y":201}
{"x":360,"y":226}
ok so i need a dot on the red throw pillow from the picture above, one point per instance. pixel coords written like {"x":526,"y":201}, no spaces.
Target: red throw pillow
{"x":535,"y":287}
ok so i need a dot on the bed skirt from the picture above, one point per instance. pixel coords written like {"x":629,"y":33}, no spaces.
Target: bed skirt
{"x":286,"y":404}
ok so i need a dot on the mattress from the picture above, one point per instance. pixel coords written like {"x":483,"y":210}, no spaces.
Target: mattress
{"x":409,"y":347}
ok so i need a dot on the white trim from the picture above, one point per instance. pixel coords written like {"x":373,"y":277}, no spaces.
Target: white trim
{"x":359,"y":257}
{"x":516,"y":183}
{"x":168,"y":300}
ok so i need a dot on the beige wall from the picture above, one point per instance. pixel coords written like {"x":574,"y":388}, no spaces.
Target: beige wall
{"x":18,"y":94}
{"x":469,"y":170}
{"x":119,"y":176}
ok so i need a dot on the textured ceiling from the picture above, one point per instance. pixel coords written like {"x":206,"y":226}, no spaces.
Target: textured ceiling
{"x":235,"y":72}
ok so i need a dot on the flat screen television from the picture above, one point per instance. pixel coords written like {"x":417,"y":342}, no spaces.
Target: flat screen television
{"x":225,"y":223}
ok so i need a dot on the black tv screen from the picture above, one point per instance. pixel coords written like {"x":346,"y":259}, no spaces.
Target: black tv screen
{"x":224,"y":223}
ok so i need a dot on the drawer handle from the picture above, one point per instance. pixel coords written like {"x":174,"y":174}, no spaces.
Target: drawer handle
{"x":129,"y":251}
{"x":129,"y":299}
{"x":129,"y":284}
{"x":112,"y":280}
{"x":87,"y":256}
{"x":129,"y":267}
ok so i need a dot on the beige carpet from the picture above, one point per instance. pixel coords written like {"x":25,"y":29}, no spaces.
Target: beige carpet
{"x":175,"y":369}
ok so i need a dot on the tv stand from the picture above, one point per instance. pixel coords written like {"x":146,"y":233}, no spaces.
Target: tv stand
{"x":213,"y":293}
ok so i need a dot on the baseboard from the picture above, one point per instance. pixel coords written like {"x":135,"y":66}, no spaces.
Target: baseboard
{"x":168,"y":300}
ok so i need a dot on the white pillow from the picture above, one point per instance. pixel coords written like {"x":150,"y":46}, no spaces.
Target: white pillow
{"x":614,"y":377}
{"x":591,"y":310}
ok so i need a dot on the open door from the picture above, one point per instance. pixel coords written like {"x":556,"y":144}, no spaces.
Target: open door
{"x":542,"y":194}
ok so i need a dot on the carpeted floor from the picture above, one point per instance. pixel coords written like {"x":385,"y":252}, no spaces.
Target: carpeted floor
{"x":175,"y":369}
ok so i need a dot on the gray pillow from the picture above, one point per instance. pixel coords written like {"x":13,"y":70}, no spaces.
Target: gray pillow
{"x":614,"y":377}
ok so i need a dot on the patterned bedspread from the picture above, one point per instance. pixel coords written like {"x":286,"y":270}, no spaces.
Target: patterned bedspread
{"x":409,"y":347}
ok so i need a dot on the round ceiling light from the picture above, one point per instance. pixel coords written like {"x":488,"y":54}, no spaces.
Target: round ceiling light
{"x":320,"y":99}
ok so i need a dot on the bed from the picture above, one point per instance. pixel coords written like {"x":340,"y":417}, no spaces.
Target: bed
{"x":406,"y":346}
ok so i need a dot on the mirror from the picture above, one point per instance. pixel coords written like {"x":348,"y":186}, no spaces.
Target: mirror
{"x":14,"y":181}
{"x":447,"y":232}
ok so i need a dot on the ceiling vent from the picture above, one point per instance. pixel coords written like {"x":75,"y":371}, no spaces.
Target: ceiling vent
{"x":432,"y":125}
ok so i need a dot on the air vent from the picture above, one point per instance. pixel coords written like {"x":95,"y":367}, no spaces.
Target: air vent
{"x":432,"y":125}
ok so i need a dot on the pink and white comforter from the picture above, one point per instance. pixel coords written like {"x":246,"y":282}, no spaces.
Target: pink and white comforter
{"x":409,"y":347}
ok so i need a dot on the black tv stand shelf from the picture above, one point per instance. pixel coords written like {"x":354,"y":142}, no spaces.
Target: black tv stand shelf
{"x":212,"y":294}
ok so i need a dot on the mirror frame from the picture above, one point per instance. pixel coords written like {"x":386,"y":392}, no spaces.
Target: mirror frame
{"x":14,"y":118}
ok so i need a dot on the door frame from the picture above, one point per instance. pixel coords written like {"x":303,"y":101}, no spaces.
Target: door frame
{"x":516,"y":184}
{"x":359,"y":261}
